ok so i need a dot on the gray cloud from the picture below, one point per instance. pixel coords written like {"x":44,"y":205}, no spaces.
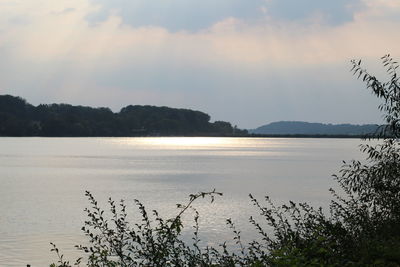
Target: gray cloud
{"x":334,"y":12}
{"x":194,"y":15}
{"x":177,"y":14}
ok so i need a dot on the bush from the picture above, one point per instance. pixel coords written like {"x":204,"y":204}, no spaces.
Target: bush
{"x":363,"y":228}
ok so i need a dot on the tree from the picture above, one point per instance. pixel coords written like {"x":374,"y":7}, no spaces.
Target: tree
{"x":364,"y":226}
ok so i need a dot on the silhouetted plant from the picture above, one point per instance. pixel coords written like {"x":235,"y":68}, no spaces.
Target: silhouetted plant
{"x":363,"y":228}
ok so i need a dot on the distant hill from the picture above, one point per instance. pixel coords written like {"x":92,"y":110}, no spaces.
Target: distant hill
{"x":19,"y":118}
{"x":307,"y":128}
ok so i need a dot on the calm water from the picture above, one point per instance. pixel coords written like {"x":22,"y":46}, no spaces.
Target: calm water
{"x":42,"y":182}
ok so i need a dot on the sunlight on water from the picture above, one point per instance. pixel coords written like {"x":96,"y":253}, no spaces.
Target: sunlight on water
{"x":199,"y":143}
{"x":178,"y":142}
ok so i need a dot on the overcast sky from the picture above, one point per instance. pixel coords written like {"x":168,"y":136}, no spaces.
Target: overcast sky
{"x":249,"y":62}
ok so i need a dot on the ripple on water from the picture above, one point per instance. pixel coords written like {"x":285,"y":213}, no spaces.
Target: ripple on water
{"x":21,"y":249}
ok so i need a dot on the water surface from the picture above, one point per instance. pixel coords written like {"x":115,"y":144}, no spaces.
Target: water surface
{"x":42,"y":182}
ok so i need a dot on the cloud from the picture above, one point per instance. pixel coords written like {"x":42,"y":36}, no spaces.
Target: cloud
{"x":176,"y":15}
{"x":246,"y":71}
{"x":332,"y":12}
{"x":194,"y":15}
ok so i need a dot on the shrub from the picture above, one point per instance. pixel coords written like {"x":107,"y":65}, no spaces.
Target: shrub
{"x":363,"y":228}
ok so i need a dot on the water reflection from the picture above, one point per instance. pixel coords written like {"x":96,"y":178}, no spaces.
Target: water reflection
{"x":184,"y":143}
{"x":198,"y":143}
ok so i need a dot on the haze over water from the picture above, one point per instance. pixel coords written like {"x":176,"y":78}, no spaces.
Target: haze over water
{"x":43,"y":181}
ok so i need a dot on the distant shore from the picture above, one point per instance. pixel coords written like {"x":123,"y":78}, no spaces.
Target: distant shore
{"x":221,"y":136}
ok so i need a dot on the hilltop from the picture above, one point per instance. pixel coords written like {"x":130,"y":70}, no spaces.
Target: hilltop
{"x":307,"y":128}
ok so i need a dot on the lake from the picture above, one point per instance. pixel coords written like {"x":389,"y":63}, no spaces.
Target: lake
{"x":43,"y":180}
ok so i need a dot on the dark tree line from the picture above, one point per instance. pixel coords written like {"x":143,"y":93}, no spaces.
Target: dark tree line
{"x":19,"y":118}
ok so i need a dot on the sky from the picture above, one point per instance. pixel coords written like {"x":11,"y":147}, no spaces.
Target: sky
{"x":246,"y":62}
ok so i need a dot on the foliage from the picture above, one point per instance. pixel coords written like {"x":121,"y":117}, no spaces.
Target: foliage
{"x":363,"y":228}
{"x":389,"y":91}
{"x":18,"y":118}
{"x":152,"y":242}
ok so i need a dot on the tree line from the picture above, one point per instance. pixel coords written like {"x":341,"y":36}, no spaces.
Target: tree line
{"x":19,"y":118}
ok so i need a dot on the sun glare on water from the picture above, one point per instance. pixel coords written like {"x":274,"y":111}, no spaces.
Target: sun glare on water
{"x":185,"y":142}
{"x":222,"y":146}
{"x":178,"y":143}
{"x":200,"y":143}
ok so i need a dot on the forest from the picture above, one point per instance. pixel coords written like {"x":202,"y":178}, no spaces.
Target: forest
{"x":19,"y":118}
